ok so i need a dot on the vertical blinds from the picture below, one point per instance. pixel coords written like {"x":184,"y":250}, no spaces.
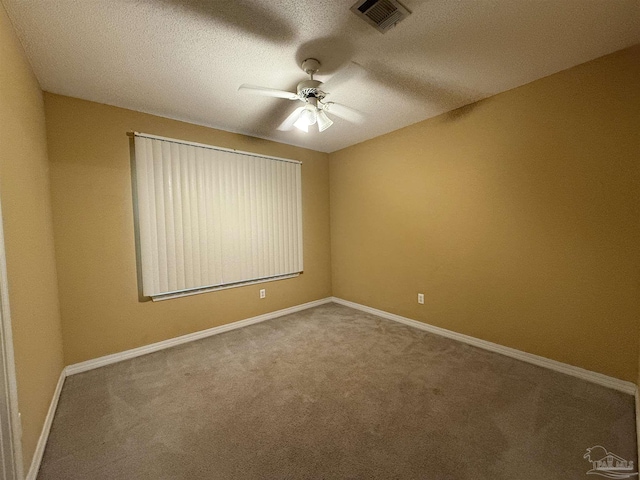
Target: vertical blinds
{"x":209,"y":217}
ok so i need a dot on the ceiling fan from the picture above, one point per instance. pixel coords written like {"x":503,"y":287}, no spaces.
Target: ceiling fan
{"x":313,"y":93}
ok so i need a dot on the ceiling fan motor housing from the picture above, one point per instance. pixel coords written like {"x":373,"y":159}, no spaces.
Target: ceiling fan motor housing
{"x":310,"y":89}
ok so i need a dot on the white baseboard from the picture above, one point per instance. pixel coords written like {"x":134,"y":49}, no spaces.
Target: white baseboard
{"x":46,"y":428}
{"x":172,"y":342}
{"x":595,"y":377}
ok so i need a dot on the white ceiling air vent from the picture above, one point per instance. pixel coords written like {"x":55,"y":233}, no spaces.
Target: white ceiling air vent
{"x":382,"y":14}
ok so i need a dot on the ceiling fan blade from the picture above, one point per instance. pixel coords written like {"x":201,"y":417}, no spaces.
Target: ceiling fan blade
{"x":342,"y":111}
{"x":267,"y":92}
{"x":351,"y":71}
{"x":291,"y":119}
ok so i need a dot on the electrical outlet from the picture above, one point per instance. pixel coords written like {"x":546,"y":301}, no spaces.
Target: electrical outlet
{"x":421,"y":298}
{"x":263,"y":293}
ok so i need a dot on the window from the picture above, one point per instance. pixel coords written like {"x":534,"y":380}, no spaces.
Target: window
{"x":212,"y":218}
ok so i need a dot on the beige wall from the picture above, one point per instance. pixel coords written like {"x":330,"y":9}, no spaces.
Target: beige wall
{"x":26,"y":209}
{"x":93,"y":226}
{"x":518,"y":217}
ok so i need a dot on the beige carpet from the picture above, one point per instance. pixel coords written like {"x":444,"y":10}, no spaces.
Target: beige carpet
{"x":332,"y":393}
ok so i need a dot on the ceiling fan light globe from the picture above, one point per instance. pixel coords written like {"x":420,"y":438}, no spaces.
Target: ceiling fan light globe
{"x":307,"y":117}
{"x":310,"y":116}
{"x":301,"y":124}
{"x":324,"y":122}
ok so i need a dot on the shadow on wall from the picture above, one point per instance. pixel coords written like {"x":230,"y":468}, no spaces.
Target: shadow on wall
{"x":461,"y":112}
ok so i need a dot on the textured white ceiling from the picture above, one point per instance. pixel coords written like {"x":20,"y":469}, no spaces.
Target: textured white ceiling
{"x":185,"y":59}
